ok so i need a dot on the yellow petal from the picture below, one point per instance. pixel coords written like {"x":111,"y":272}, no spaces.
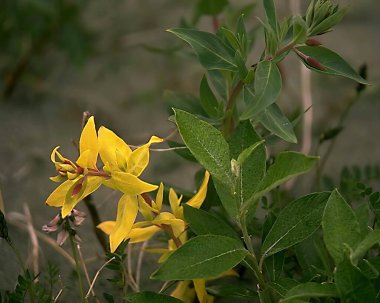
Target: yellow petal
{"x":175,"y":202}
{"x":145,"y":209}
{"x":197,"y":200}
{"x":142,"y":234}
{"x":130,"y":184}
{"x":89,"y":141}
{"x":200,"y":290}
{"x":57,"y":197}
{"x":126,"y":214}
{"x":109,"y":142}
{"x":89,"y":185}
{"x":184,"y":292}
{"x":58,"y":178}
{"x":139,"y":158}
{"x":160,"y":197}
{"x":84,"y":159}
{"x":107,"y":226}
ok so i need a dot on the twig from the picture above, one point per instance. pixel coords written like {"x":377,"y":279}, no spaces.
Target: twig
{"x":139,"y":262}
{"x":90,"y":290}
{"x":33,"y":238}
{"x":132,"y":281}
{"x":84,"y":267}
{"x":12,"y":219}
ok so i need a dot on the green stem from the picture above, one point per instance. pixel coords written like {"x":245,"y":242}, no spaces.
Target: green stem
{"x":77,"y":267}
{"x":228,"y":123}
{"x":252,"y":256}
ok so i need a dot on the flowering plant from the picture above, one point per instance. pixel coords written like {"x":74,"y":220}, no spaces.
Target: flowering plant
{"x":241,"y":237}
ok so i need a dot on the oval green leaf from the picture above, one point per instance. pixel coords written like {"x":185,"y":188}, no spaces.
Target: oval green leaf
{"x":333,"y":63}
{"x":207,"y":144}
{"x":212,"y":52}
{"x":267,"y":88}
{"x":205,"y":223}
{"x":340,"y":226}
{"x":287,"y":165}
{"x":296,"y":222}
{"x":202,"y":257}
{"x":310,"y":290}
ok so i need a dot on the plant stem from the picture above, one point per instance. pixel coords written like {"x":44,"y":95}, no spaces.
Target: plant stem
{"x":252,"y":256}
{"x":228,"y":123}
{"x":77,"y":267}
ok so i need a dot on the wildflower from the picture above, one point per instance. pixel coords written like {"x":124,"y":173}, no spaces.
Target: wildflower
{"x":63,"y":225}
{"x":155,"y":219}
{"x":124,"y":165}
{"x":80,"y":178}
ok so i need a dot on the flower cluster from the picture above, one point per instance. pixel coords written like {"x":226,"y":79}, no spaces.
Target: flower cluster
{"x":121,"y":169}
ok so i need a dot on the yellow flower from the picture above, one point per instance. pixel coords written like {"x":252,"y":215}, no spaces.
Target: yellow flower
{"x":81,"y":177}
{"x":155,"y":219}
{"x":124,"y":165}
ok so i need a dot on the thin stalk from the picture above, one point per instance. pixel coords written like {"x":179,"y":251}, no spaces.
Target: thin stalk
{"x":252,"y":260}
{"x":228,"y":123}
{"x":77,"y":267}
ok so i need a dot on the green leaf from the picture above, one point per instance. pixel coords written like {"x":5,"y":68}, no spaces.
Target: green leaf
{"x":295,"y":223}
{"x":151,"y":297}
{"x":352,"y":284}
{"x":249,"y":171}
{"x":202,"y":257}
{"x":270,"y":12}
{"x":274,"y":120}
{"x":207,"y":144}
{"x":212,"y":52}
{"x":182,"y":100}
{"x":311,"y":290}
{"x":299,"y":30}
{"x":283,"y":285}
{"x":235,"y":290}
{"x":267,"y":88}
{"x":205,"y":223}
{"x":287,"y":165}
{"x":333,"y":63}
{"x":227,"y":197}
{"x":211,"y":7}
{"x":208,"y":100}
{"x":370,"y":240}
{"x":340,"y":227}
{"x":274,"y":265}
{"x":243,"y":137}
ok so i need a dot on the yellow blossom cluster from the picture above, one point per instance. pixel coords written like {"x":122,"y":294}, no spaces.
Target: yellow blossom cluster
{"x":120,"y":170}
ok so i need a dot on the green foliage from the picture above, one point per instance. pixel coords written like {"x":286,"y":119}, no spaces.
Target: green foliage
{"x":206,"y":223}
{"x":341,"y":229}
{"x":314,"y":248}
{"x":332,"y":63}
{"x":212,"y":52}
{"x":267,"y":88}
{"x":29,"y":29}
{"x":296,"y":222}
{"x":151,"y":297}
{"x":287,"y":165}
{"x":310,"y":290}
{"x":205,"y":256}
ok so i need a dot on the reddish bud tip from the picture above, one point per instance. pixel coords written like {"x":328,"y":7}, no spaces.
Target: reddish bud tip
{"x":315,"y":63}
{"x":313,"y":42}
{"x":77,"y":189}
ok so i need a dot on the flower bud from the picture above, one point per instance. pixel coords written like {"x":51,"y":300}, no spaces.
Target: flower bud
{"x":313,"y":42}
{"x":315,"y":63}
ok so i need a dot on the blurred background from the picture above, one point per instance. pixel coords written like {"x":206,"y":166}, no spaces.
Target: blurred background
{"x":114,"y":59}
